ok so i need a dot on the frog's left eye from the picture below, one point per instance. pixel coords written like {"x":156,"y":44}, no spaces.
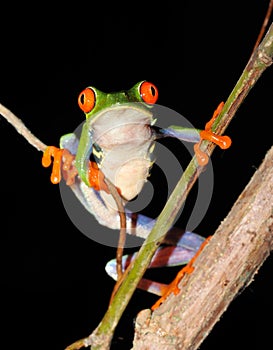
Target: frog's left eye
{"x":148,"y":92}
{"x":87,"y":100}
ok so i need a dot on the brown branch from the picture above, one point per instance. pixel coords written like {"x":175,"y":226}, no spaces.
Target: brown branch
{"x":225,"y":267}
{"x":21,"y":128}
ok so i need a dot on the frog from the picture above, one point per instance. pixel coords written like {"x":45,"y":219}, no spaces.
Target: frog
{"x":117,"y":143}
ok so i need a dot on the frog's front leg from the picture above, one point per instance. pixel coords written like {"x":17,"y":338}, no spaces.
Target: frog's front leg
{"x":196,"y":136}
{"x":65,"y":163}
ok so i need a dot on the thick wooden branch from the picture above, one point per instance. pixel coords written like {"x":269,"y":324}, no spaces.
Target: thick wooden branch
{"x":225,"y":267}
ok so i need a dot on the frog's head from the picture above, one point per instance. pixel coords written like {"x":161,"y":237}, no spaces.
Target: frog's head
{"x":96,"y":104}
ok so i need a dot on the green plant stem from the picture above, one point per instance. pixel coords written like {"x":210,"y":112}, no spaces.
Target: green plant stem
{"x":259,"y":61}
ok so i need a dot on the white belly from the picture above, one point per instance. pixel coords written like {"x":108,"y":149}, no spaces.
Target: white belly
{"x":126,"y":145}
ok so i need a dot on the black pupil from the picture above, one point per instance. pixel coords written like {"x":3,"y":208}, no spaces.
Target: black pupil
{"x":82,"y":98}
{"x":153,"y":90}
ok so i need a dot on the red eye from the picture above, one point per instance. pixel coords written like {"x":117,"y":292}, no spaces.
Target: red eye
{"x":87,"y":100}
{"x":148,"y":92}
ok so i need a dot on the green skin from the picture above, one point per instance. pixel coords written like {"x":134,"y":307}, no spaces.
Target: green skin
{"x":119,"y":133}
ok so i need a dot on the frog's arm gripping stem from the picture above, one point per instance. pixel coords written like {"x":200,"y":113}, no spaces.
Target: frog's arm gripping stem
{"x":196,"y":136}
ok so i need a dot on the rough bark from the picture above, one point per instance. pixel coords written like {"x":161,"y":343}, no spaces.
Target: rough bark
{"x":224,"y":268}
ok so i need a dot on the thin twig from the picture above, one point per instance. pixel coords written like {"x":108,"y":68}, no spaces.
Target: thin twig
{"x":122,"y":235}
{"x":22,"y":129}
{"x":264,"y":25}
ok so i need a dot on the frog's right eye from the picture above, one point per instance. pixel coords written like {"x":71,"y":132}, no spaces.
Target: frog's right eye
{"x":87,"y":100}
{"x":148,"y":92}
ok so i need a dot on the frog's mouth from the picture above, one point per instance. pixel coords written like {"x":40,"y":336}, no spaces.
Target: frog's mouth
{"x":122,"y":124}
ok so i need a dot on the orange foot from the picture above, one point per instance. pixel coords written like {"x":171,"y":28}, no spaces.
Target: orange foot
{"x":223,"y":142}
{"x":173,"y":286}
{"x":63,"y":162}
{"x":96,"y":178}
{"x":56,"y":154}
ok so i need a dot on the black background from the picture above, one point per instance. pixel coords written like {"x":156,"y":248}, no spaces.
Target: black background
{"x":53,"y":285}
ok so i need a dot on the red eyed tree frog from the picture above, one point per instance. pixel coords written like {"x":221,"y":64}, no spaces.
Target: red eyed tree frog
{"x":117,"y":142}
